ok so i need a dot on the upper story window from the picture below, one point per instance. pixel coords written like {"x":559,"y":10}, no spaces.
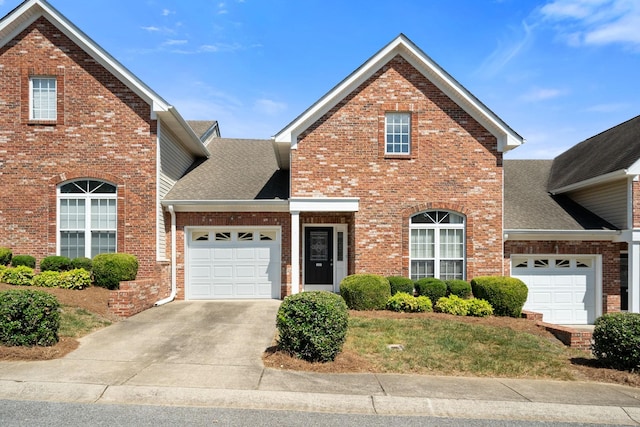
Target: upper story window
{"x":397,"y":133}
{"x":437,"y":245}
{"x":87,"y":218}
{"x":43,"y":99}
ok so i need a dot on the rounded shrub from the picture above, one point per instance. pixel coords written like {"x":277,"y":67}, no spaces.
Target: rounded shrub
{"x":452,"y":304}
{"x":26,"y":260}
{"x":402,"y":301}
{"x":506,"y":295}
{"x":400,"y":284}
{"x":28,"y":317}
{"x":5,"y":256}
{"x":81,"y":262}
{"x":47,"y":279}
{"x":78,"y":278}
{"x":111,"y":269}
{"x":55,"y":263}
{"x":458,"y":288}
{"x":616,"y":340}
{"x":365,"y":291}
{"x":431,"y":287}
{"x":312,"y":325}
{"x":20,"y":275}
{"x":479,"y":308}
{"x":3,"y":268}
{"x":424,"y":304}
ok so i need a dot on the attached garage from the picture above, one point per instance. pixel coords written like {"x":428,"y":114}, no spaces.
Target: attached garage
{"x":232,"y":263}
{"x":563,"y":288}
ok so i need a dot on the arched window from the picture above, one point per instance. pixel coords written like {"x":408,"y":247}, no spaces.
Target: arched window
{"x":437,"y":245}
{"x":87,"y":218}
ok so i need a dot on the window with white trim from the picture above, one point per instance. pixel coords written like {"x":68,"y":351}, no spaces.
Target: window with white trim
{"x":397,"y":133}
{"x":43,"y":99}
{"x":87,"y":218}
{"x":437,"y":245}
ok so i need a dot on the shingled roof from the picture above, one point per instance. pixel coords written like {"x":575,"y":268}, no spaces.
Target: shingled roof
{"x":238,"y":169}
{"x":528,"y":205}
{"x":613,"y":150}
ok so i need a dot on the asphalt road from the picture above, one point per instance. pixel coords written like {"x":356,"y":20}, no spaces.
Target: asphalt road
{"x":30,"y":413}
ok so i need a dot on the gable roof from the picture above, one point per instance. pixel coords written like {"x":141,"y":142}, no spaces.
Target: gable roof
{"x":29,"y":11}
{"x":528,"y":205}
{"x":205,"y":129}
{"x":401,"y":45}
{"x":239,"y":170}
{"x":611,"y":154}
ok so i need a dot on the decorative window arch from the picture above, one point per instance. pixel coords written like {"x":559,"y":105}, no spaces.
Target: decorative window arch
{"x":87,"y":218}
{"x":437,"y":242}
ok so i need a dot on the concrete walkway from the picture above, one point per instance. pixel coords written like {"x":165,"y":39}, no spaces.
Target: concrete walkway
{"x":209,"y":354}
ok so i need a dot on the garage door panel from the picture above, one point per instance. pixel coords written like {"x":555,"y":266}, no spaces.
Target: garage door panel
{"x":233,"y":268}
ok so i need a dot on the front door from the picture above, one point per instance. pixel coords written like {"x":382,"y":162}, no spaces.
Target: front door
{"x":318,"y":256}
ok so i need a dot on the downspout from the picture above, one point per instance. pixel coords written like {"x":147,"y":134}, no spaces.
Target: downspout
{"x":172,"y":296}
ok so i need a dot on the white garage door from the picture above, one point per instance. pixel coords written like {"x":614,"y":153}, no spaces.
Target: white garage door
{"x":233,"y":263}
{"x":562,"y":288}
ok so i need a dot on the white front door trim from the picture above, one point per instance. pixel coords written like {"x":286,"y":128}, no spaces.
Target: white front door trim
{"x":339,"y":266}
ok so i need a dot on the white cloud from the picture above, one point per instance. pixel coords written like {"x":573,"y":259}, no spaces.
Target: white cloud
{"x":151,"y":28}
{"x":167,"y":12}
{"x":595,"y":22}
{"x":269,"y":107}
{"x":607,"y":108}
{"x":508,"y":50}
{"x":542,"y":94}
{"x":220,"y":47}
{"x":175,"y":42}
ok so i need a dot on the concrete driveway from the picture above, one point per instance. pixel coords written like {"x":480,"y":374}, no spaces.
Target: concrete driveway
{"x":212,"y":344}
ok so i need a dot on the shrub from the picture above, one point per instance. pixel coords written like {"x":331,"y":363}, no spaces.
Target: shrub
{"x":3,"y":268}
{"x":55,"y":263}
{"x":616,"y":340}
{"x":452,"y":304}
{"x":400,"y":284}
{"x":424,"y":304}
{"x":458,"y":288}
{"x":506,"y":295}
{"x":20,"y":275}
{"x":110,"y":269}
{"x":312,"y":325}
{"x":78,"y":278}
{"x":5,"y":256}
{"x":47,"y":279}
{"x":26,"y":260}
{"x":479,"y":308}
{"x":28,"y":317}
{"x":431,"y":287}
{"x":81,"y":262}
{"x":402,"y":301}
{"x":365,"y":291}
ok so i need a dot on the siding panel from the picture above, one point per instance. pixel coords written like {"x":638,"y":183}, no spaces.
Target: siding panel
{"x":608,"y":201}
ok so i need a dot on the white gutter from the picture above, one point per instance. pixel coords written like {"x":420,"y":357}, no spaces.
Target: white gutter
{"x":601,"y":179}
{"x":556,"y":235}
{"x":174,"y":290}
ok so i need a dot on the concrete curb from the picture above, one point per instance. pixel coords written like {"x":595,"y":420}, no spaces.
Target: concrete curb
{"x":319,"y":402}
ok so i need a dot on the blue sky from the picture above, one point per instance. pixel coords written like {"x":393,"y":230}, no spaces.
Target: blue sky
{"x":556,"y":71}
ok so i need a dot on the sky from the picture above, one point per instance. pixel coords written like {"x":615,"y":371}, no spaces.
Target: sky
{"x":556,"y":71}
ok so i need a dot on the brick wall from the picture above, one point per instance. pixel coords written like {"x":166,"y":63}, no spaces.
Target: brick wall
{"x":214,"y":219}
{"x":453,"y":165}
{"x":610,"y":262}
{"x":103,"y":131}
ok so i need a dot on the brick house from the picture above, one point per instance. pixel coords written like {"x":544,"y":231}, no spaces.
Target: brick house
{"x":398,"y":170}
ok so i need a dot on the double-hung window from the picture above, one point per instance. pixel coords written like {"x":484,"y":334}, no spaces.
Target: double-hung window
{"x":437,"y":245}
{"x":43,"y":99}
{"x":87,"y":218}
{"x":397,"y":133}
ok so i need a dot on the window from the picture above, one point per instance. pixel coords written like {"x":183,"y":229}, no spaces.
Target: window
{"x":397,"y":133}
{"x":437,"y":245}
{"x":87,"y":218}
{"x":43,"y":101}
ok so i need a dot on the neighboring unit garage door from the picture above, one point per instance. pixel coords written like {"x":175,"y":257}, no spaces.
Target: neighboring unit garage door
{"x":233,"y":263}
{"x":562,"y":288}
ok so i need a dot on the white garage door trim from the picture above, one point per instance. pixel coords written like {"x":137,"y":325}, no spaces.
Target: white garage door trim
{"x":566,"y":289}
{"x":233,"y":262}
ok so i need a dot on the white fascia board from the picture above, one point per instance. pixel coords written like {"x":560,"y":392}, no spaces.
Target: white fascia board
{"x":558,"y":235}
{"x":601,"y":179}
{"x":179,"y":127}
{"x":507,"y":138}
{"x":325,"y":204}
{"x":23,"y":16}
{"x":228,"y":205}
